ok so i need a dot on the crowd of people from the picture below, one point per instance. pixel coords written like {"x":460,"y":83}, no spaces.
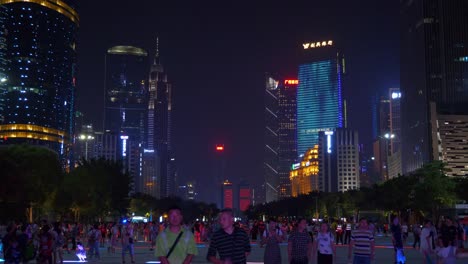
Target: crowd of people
{"x":230,"y":242}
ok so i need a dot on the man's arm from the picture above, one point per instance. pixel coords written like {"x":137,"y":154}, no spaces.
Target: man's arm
{"x":309,"y":250}
{"x":289,"y":250}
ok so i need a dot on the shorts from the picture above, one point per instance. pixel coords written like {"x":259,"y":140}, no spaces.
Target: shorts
{"x":128,"y":247}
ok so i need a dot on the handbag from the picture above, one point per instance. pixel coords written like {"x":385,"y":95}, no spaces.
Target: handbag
{"x":173,"y":245}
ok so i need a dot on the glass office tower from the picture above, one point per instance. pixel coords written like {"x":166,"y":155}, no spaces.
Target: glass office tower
{"x":38,"y":42}
{"x":319,"y":95}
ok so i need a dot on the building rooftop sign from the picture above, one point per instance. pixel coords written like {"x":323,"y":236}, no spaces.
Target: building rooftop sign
{"x":318,"y":44}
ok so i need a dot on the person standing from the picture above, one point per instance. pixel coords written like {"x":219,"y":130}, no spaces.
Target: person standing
{"x":299,"y":244}
{"x":272,"y":237}
{"x":362,"y":241}
{"x":417,"y":235}
{"x":127,"y":242}
{"x":348,"y":233}
{"x":427,"y":242}
{"x":323,"y":246}
{"x":397,"y":239}
{"x":339,"y":233}
{"x":93,"y":241}
{"x":175,"y":244}
{"x":230,"y":243}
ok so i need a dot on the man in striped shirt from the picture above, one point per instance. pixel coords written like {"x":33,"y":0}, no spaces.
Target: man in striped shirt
{"x":362,"y":240}
{"x":231,"y":243}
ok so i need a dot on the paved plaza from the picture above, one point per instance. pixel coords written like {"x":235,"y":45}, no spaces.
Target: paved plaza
{"x":384,"y":254}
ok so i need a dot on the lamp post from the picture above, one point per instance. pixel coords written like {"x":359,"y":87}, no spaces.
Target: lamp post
{"x":86,"y":138}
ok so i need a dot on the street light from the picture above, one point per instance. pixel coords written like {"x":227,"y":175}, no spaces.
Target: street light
{"x":389,"y":136}
{"x":86,"y":138}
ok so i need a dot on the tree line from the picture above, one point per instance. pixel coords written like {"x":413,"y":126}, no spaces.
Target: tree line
{"x":426,"y":193}
{"x":34,"y":187}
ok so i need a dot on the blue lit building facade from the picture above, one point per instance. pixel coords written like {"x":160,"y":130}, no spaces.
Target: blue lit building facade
{"x":38,"y":42}
{"x":319,"y":93}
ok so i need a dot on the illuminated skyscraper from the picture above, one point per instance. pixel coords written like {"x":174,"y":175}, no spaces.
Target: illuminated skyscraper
{"x":159,"y":172}
{"x":280,"y":136}
{"x":125,"y":104}
{"x":339,"y":161}
{"x":434,"y":68}
{"x":319,"y":99}
{"x":304,"y":175}
{"x":38,"y":68}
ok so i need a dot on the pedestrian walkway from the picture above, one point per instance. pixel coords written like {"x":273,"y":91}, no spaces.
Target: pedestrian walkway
{"x":384,"y":254}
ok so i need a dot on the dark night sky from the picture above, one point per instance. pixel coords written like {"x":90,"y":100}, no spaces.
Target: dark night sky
{"x":216,"y":55}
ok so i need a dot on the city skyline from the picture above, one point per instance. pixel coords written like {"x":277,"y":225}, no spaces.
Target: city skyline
{"x":216,"y":56}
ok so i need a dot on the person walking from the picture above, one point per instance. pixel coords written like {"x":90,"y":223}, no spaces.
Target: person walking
{"x":175,"y":244}
{"x":299,"y":244}
{"x":127,"y":242}
{"x":231,"y":243}
{"x":362,"y":242}
{"x":271,"y":238}
{"x":417,"y":235}
{"x":93,"y":241}
{"x":397,"y":240}
{"x":323,"y":246}
{"x":427,"y":240}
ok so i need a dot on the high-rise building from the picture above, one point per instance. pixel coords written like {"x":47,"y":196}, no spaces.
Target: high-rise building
{"x":107,"y":145}
{"x":125,"y":104}
{"x":3,"y":59}
{"x":38,"y":68}
{"x":319,"y":93}
{"x":280,"y":135}
{"x":450,"y":139}
{"x":434,"y":68}
{"x":126,"y":70}
{"x":393,"y":136}
{"x":338,"y":154}
{"x":159,"y":159}
{"x":287,"y":134}
{"x":227,"y":195}
{"x":304,"y":175}
{"x":271,"y":141}
{"x":245,"y":196}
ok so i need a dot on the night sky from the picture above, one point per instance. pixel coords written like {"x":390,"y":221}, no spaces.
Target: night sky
{"x":216,"y":55}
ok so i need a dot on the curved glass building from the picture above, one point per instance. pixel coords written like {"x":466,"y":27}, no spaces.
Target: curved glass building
{"x":37,"y":96}
{"x":126,"y":96}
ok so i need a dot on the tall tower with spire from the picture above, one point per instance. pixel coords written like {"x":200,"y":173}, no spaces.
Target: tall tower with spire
{"x":158,"y":159}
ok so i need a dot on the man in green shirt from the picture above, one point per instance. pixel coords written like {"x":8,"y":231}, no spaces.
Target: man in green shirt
{"x":185,"y":248}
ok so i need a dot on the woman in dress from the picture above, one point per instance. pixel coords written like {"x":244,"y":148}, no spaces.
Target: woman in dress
{"x":271,"y":237}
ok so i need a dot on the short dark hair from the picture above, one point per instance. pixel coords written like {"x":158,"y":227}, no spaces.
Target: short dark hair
{"x":174,"y":207}
{"x":228,"y":211}
{"x":363,"y":218}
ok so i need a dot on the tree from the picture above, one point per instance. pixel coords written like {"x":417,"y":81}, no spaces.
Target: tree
{"x":434,"y":189}
{"x":30,"y":177}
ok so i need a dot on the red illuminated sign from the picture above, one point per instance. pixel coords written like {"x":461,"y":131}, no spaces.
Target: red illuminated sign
{"x":219,"y":147}
{"x":291,"y":81}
